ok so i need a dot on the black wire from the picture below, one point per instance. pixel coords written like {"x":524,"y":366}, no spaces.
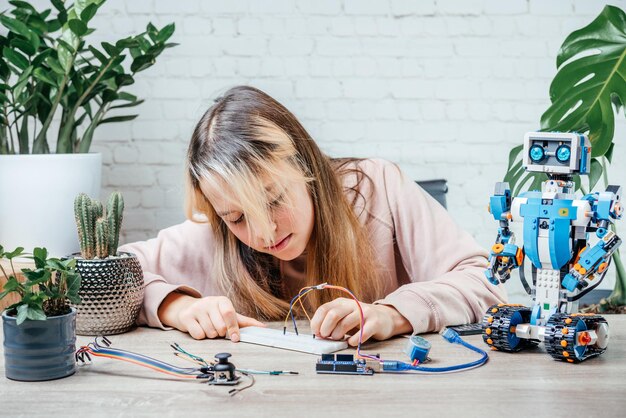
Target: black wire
{"x":293,"y":301}
{"x":522,"y":276}
{"x":233,"y":392}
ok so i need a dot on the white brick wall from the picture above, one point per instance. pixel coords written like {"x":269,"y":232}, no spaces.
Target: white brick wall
{"x":443,"y":87}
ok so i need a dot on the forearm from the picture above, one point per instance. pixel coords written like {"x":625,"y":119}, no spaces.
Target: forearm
{"x":169,"y":309}
{"x":400,"y":325}
{"x":454,"y":298}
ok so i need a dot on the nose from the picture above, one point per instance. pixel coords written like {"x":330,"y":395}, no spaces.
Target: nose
{"x":259,"y":235}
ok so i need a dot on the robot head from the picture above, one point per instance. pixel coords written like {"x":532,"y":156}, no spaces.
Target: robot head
{"x":557,"y":153}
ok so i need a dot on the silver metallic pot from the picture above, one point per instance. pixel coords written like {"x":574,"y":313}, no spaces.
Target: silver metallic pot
{"x":111,"y":292}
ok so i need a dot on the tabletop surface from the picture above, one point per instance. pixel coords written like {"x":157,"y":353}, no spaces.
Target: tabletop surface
{"x":522,"y":384}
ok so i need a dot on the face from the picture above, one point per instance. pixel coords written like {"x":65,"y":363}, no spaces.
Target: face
{"x":291,"y":225}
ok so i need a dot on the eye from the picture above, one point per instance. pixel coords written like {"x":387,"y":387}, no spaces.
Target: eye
{"x":276,"y":202}
{"x":536,"y":153}
{"x":238,"y":220}
{"x":563,"y":153}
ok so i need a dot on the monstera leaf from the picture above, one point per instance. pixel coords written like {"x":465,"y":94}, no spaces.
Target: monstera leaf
{"x":590,"y":81}
{"x":592,"y":78}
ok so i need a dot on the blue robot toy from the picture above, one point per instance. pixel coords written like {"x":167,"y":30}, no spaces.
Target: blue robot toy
{"x":565,"y":263}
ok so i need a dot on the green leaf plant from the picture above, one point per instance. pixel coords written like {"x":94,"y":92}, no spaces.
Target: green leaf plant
{"x":586,"y":93}
{"x":47,"y":289}
{"x":48,"y":71}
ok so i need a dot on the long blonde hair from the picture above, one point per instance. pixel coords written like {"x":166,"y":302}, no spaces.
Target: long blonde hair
{"x":239,"y":141}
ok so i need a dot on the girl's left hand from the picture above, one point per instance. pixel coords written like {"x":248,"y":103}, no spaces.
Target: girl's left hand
{"x":336,"y":318}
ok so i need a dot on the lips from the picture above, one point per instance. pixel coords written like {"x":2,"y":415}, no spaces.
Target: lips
{"x":280,"y":244}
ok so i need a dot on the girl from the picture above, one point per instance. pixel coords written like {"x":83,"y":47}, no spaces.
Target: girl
{"x":269,"y":213}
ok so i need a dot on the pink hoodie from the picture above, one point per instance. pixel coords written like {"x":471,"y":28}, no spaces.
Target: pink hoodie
{"x":432,"y":270}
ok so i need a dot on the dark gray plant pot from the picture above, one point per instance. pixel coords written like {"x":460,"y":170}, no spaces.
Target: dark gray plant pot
{"x":111,"y":292}
{"x":39,"y":350}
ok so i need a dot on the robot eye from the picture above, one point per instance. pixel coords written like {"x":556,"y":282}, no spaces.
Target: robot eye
{"x":537,"y":153}
{"x":563,"y":153}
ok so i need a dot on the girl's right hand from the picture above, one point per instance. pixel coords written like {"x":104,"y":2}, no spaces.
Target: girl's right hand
{"x":208,"y":317}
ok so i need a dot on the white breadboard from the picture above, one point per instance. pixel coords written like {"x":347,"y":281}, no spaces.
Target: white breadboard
{"x":289,"y":341}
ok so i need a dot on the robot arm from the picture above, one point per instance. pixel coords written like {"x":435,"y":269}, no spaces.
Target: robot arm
{"x":606,"y":208}
{"x":503,"y":259}
{"x":505,"y":255}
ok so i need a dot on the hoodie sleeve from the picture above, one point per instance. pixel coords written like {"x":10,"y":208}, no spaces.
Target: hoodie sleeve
{"x":179,"y":259}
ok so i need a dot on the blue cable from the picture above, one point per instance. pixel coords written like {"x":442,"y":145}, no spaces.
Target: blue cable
{"x":145,"y":359}
{"x":452,"y":337}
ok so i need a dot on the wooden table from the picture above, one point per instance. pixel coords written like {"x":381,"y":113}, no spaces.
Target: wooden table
{"x":527,"y":384}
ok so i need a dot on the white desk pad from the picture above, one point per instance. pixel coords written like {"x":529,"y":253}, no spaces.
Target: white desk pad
{"x":289,"y":341}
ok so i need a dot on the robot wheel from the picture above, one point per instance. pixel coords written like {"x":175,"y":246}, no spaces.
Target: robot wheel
{"x":499,"y":327}
{"x":568,"y":339}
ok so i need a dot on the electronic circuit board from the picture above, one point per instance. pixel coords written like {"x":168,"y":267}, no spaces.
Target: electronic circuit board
{"x":342,"y":364}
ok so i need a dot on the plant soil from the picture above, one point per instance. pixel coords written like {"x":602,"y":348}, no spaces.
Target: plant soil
{"x":57,"y":311}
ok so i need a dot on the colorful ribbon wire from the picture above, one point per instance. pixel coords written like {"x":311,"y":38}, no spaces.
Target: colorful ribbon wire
{"x":104,"y":350}
{"x":204,"y":369}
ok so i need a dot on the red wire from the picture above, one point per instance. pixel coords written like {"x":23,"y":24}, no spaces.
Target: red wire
{"x":94,"y":353}
{"x":358,"y":349}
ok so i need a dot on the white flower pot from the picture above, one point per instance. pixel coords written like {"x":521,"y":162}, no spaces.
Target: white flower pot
{"x":37,"y":199}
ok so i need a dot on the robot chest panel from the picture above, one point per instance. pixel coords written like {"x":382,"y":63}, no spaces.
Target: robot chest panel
{"x":547,"y":230}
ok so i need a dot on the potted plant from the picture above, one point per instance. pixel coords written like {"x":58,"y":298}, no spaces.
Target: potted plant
{"x":112,"y":284}
{"x":56,"y":88}
{"x":586,"y":92}
{"x":40,"y":329}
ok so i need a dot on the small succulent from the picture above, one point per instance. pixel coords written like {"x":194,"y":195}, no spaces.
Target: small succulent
{"x":98,"y":230}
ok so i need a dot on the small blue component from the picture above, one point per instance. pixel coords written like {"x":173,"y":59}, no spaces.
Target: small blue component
{"x":537,"y":153}
{"x":583,"y":157}
{"x":498,"y":205}
{"x":563,"y":153}
{"x":603,"y":206}
{"x":580,"y":349}
{"x":489,"y":276}
{"x":569,"y":282}
{"x":417,"y":348}
{"x":534,"y":316}
{"x":592,"y":256}
{"x":505,"y":238}
{"x":510,"y":250}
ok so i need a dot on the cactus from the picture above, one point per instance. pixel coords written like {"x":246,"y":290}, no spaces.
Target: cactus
{"x":115,"y":211}
{"x":85,"y":223}
{"x":98,"y":232}
{"x":98,"y":210}
{"x":102,"y":246}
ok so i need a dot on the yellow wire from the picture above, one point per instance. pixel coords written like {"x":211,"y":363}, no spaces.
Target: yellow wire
{"x":113,"y":356}
{"x":298,"y":300}
{"x":185,"y":357}
{"x":303,"y":308}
